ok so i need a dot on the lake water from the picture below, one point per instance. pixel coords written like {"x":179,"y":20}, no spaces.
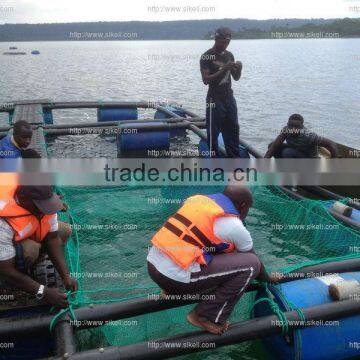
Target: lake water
{"x":318,"y":78}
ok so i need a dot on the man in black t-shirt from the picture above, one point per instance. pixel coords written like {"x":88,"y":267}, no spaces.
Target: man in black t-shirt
{"x":297,"y":141}
{"x":217,"y":66}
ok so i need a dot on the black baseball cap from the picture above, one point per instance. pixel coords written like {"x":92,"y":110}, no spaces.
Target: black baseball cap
{"x":223,"y":33}
{"x":43,"y":197}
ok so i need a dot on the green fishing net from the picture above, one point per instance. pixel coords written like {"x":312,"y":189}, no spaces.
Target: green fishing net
{"x":112,"y":229}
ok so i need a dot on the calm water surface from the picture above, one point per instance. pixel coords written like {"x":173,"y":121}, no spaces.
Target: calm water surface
{"x":319,"y":78}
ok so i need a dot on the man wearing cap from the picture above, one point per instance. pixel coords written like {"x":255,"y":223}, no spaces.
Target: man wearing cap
{"x":28,"y":224}
{"x":217,"y":66}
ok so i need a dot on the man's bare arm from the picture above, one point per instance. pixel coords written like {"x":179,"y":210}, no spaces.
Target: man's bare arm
{"x":11,"y":275}
{"x":55,"y":249}
{"x":16,"y":278}
{"x":275,"y":146}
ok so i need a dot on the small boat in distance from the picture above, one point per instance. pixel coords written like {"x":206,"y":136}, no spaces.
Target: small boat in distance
{"x":35,"y":52}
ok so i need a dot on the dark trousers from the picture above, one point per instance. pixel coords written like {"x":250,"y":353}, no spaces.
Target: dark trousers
{"x":290,"y":152}
{"x":222,"y":117}
{"x":224,"y":280}
{"x":286,"y":152}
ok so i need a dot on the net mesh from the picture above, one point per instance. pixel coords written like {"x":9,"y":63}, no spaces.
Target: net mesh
{"x":112,"y":228}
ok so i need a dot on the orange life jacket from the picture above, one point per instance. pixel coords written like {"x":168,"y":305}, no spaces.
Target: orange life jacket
{"x":24,"y":224}
{"x":188,"y":235}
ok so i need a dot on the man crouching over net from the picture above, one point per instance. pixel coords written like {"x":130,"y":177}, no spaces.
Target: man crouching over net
{"x":205,"y":247}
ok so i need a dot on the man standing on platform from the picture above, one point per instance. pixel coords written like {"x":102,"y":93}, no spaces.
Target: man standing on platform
{"x":217,"y":66}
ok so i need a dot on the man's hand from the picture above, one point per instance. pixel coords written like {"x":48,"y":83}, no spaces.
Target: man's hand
{"x":55,"y":297}
{"x":275,"y":146}
{"x":236,"y":70}
{"x":285,"y":130}
{"x":70,"y":284}
{"x":238,"y":65}
{"x":228,"y":66}
{"x":65,"y":206}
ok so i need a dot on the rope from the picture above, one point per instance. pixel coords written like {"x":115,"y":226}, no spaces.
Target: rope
{"x":297,"y":334}
{"x":276,"y":309}
{"x":69,"y":309}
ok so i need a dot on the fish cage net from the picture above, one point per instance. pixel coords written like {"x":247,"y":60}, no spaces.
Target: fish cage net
{"x":112,"y":231}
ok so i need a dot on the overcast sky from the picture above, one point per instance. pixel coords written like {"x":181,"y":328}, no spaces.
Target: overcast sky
{"x":40,"y":11}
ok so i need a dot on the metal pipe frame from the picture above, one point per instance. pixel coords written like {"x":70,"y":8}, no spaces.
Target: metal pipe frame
{"x":65,"y":343}
{"x":98,"y":104}
{"x":168,"y":112}
{"x":238,"y":332}
{"x":50,"y":129}
{"x":335,"y":214}
{"x":327,"y":194}
{"x":116,"y":123}
{"x":143,"y":127}
{"x":20,"y":327}
{"x":48,"y":104}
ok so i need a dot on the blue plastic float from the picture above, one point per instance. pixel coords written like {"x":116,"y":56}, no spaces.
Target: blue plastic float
{"x":312,"y":343}
{"x":178,"y":111}
{"x":141,"y":140}
{"x":117,"y":114}
{"x":205,"y":153}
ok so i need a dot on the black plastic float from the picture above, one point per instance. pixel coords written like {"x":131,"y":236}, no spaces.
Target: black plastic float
{"x":237,"y":333}
{"x":10,"y":327}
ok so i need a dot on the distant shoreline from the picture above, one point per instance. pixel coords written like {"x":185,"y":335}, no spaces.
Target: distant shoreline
{"x":139,"y":40}
{"x":244,"y":29}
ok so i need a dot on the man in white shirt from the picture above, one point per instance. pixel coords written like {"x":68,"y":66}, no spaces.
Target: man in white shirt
{"x":223,"y":272}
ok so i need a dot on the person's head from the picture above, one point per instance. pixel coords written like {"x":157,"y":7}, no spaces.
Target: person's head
{"x":39,"y":200}
{"x":295,"y":125}
{"x":22,"y":133}
{"x":222,"y":39}
{"x":241,"y":197}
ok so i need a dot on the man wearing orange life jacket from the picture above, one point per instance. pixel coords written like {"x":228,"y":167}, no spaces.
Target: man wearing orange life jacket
{"x":205,"y":247}
{"x":28,"y":218}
